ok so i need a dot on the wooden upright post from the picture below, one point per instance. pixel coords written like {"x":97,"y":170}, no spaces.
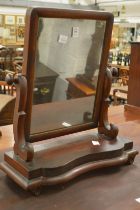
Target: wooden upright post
{"x":134,"y":78}
{"x":134,"y":75}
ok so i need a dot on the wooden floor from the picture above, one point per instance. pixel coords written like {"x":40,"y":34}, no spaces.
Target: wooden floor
{"x":108,"y":189}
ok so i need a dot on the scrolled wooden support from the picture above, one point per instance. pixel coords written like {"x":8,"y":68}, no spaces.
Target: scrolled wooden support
{"x":22,"y":149}
{"x":104,"y":126}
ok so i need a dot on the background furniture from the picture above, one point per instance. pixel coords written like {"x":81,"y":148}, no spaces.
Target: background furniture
{"x":3,"y":55}
{"x":4,"y":87}
{"x":122,"y":73}
{"x":134,"y":76}
{"x":7,"y":104}
{"x":44,"y":84}
{"x":10,"y":57}
{"x":77,"y":89}
{"x":7,"y":100}
{"x":119,"y":94}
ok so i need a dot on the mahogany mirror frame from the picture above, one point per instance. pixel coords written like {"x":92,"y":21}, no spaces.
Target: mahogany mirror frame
{"x":66,"y":157}
{"x":30,"y":47}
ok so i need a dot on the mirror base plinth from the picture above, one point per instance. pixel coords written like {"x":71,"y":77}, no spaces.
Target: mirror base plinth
{"x":58,"y":162}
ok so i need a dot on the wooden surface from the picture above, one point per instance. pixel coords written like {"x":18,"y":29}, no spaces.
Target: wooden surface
{"x":131,"y":108}
{"x":61,"y":159}
{"x":67,"y":156}
{"x":78,"y":89}
{"x":134,"y":76}
{"x":108,"y":189}
{"x":51,"y":116}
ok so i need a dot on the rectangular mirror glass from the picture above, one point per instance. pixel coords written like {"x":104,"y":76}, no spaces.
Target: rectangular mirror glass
{"x":66,"y":72}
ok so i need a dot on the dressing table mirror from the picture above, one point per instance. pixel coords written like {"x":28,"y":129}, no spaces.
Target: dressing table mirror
{"x":61,"y":128}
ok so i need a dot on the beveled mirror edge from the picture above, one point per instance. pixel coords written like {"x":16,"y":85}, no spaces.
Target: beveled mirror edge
{"x":29,"y":63}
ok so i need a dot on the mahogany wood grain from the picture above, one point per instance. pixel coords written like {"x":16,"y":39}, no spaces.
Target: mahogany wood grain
{"x":108,"y":189}
{"x":69,"y":155}
{"x":51,"y":157}
{"x":78,"y":88}
{"x":132,"y":108}
{"x":134,"y":75}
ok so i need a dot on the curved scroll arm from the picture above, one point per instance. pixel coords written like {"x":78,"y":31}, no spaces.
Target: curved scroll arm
{"x":104,"y":126}
{"x":21,"y":148}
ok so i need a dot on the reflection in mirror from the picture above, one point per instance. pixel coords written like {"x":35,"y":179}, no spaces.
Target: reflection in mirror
{"x":67,"y":68}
